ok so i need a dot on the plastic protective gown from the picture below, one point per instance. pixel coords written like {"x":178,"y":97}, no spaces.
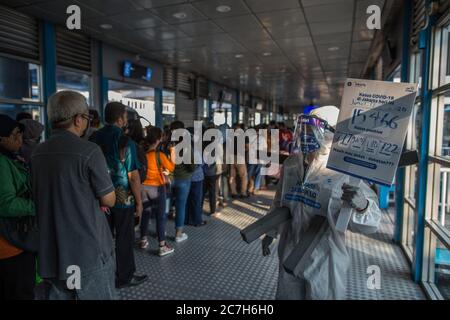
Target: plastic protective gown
{"x":317,"y":192}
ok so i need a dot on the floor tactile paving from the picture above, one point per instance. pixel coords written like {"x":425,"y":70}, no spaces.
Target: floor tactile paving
{"x":215,"y":263}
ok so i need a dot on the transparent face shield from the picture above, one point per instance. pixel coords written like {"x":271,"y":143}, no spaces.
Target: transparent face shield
{"x":309,"y":134}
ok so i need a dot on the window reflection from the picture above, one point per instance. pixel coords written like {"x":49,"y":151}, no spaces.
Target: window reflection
{"x":75,"y":81}
{"x":19,"y":80}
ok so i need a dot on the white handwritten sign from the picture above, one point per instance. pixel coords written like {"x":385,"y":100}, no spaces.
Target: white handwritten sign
{"x":371,"y":129}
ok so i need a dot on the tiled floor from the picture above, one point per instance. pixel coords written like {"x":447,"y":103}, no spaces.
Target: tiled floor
{"x":214,"y":263}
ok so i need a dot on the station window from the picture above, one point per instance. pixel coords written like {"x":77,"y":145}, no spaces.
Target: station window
{"x":75,"y":81}
{"x":20,"y":88}
{"x":436,"y":257}
{"x":139,"y":98}
{"x":169,"y":108}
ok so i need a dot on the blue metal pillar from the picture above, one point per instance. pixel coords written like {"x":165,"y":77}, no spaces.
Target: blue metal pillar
{"x":400,"y":177}
{"x":103,"y":82}
{"x":48,"y":67}
{"x":158,"y":107}
{"x":425,"y":46}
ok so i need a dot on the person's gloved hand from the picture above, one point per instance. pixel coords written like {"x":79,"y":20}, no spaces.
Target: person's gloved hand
{"x":354,"y":197}
{"x":266,"y":242}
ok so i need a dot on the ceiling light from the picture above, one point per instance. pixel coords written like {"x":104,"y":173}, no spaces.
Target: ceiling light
{"x":185,"y":60}
{"x":223,"y":9}
{"x":180,"y":15}
{"x":106,"y":26}
{"x":333,"y":48}
{"x":266,"y":54}
{"x":239,"y":55}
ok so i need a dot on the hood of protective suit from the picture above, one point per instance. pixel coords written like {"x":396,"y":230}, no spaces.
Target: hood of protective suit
{"x":330,"y":114}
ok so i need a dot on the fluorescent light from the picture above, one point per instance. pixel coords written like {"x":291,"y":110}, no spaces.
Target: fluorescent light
{"x":180,"y":15}
{"x":333,"y":48}
{"x":223,"y":9}
{"x":266,"y":54}
{"x":239,"y":55}
{"x":106,"y":26}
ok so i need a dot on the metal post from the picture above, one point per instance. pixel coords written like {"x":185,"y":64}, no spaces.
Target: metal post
{"x":48,"y":67}
{"x":400,"y":176}
{"x":158,"y":107}
{"x":425,"y":46}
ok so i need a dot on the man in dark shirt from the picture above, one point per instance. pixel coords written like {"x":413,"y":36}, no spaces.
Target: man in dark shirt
{"x":70,"y":182}
{"x":121,"y":157}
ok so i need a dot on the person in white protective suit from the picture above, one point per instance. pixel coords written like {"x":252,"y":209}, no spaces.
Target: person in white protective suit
{"x":308,"y":188}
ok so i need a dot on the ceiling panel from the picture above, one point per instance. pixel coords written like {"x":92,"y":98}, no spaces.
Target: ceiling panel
{"x":295,"y":43}
{"x":237,"y":24}
{"x":200,"y":28}
{"x":295,"y":31}
{"x":108,"y":7}
{"x":321,"y":28}
{"x":279,"y":57}
{"x":281,"y":19}
{"x":95,"y":23}
{"x":342,"y":11}
{"x":138,"y":19}
{"x":209,"y":8}
{"x":272,"y":5}
{"x":250,"y":35}
{"x":309,"y":3}
{"x":190,"y":12}
{"x":147,"y":4}
{"x":343,"y":39}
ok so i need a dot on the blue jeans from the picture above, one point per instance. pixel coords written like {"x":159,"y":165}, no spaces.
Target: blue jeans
{"x":195,"y":204}
{"x":97,"y":285}
{"x":157,"y":206}
{"x":254,"y":171}
{"x":180,"y":191}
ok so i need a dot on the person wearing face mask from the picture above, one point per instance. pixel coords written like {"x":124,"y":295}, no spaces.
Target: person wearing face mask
{"x":70,"y":183}
{"x":124,"y":171}
{"x":17,"y":264}
{"x":315,"y":196}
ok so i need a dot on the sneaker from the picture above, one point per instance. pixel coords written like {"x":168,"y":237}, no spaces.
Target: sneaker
{"x":181,"y":238}
{"x":143,"y":243}
{"x":165,"y":250}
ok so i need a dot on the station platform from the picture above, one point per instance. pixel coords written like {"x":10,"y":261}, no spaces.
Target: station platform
{"x":215,"y":263}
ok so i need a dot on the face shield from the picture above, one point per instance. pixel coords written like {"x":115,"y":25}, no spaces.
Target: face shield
{"x":309,"y":134}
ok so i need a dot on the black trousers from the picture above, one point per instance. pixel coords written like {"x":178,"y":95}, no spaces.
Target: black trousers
{"x":17,"y":277}
{"x":210,"y":185}
{"x":121,"y":222}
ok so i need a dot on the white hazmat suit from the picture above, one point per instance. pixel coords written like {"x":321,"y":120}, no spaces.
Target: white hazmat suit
{"x":318,"y":191}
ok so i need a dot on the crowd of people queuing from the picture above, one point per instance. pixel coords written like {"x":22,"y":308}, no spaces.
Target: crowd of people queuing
{"x":64,"y":201}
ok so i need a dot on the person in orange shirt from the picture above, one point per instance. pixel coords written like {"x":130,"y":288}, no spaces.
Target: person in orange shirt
{"x":154,"y":190}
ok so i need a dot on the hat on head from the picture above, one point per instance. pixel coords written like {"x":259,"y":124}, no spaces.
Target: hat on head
{"x":7,"y":125}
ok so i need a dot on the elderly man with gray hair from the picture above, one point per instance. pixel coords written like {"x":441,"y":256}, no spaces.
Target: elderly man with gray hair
{"x":70,"y":184}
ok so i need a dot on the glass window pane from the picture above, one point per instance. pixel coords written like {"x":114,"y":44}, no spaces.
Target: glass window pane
{"x":444,"y":198}
{"x":446,"y":127}
{"x":442,"y":269}
{"x":410,"y":228}
{"x":445,"y":57}
{"x":139,"y":98}
{"x":13,"y":109}
{"x":19,"y":80}
{"x":219,"y":117}
{"x":75,"y":81}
